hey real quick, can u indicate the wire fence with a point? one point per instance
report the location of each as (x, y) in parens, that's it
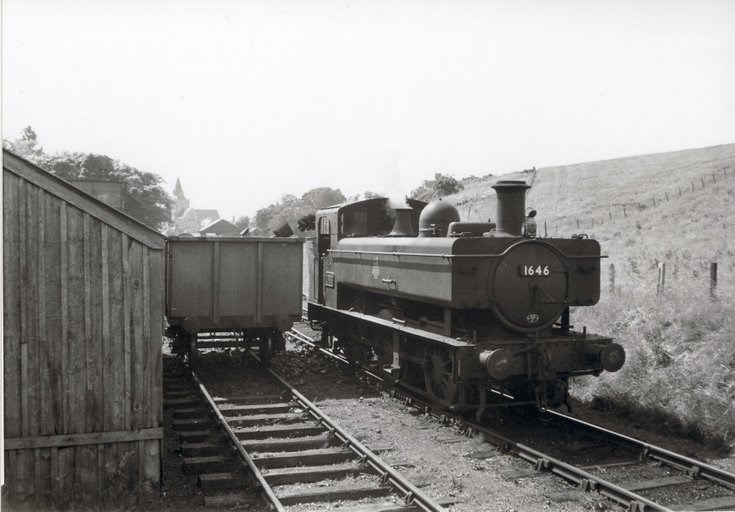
(663, 277)
(624, 211)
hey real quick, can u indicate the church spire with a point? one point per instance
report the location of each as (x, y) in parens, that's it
(181, 203)
(178, 190)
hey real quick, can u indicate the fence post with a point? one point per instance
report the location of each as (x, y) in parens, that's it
(661, 278)
(667, 195)
(713, 280)
(702, 178)
(713, 178)
(610, 214)
(625, 214)
(577, 223)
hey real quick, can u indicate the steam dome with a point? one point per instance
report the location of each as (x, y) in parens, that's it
(436, 217)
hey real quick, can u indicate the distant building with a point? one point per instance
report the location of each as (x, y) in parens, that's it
(220, 227)
(112, 193)
(186, 219)
(181, 203)
(254, 232)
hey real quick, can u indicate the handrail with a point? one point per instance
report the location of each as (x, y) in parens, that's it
(460, 256)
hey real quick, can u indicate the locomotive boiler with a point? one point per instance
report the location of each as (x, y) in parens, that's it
(455, 309)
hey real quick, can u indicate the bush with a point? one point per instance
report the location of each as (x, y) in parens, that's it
(680, 358)
(442, 185)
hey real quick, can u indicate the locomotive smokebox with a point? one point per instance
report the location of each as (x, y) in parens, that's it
(511, 207)
(402, 225)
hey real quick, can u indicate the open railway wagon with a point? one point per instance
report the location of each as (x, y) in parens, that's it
(236, 292)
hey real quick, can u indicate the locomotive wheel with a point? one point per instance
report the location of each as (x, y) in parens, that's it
(326, 340)
(384, 349)
(355, 352)
(438, 376)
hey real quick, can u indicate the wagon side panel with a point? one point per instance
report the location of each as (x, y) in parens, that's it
(237, 281)
(190, 273)
(282, 269)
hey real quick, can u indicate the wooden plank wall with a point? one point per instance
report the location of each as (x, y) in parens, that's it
(83, 314)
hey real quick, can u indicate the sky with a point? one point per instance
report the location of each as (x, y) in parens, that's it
(246, 101)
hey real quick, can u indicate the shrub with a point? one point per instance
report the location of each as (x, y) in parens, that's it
(680, 358)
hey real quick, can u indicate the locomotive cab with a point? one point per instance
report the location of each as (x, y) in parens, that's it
(368, 218)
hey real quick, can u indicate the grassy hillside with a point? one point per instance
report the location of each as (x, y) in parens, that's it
(675, 208)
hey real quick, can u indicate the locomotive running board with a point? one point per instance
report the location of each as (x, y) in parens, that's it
(410, 331)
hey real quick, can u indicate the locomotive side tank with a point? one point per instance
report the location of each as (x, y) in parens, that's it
(461, 306)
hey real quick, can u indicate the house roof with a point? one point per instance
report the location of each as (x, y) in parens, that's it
(221, 227)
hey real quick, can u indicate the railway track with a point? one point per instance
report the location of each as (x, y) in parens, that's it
(279, 447)
(637, 475)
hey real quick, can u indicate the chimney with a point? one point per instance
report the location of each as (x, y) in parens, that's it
(511, 207)
(402, 224)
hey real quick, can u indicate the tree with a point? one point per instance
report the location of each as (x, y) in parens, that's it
(445, 185)
(264, 216)
(296, 211)
(243, 222)
(26, 145)
(321, 197)
(442, 185)
(144, 187)
(307, 222)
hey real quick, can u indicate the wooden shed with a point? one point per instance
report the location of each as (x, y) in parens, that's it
(83, 312)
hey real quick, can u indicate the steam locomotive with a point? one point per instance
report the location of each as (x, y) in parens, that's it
(458, 310)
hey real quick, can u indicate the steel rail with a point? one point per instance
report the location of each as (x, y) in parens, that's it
(585, 480)
(411, 494)
(693, 467)
(264, 486)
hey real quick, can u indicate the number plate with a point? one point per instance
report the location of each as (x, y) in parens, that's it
(329, 279)
(534, 270)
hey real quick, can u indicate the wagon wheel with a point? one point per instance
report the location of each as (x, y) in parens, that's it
(266, 349)
(192, 350)
(438, 375)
